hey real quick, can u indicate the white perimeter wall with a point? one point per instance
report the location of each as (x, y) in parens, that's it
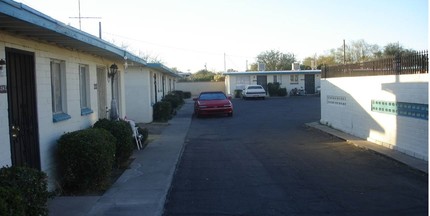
(196, 87)
(346, 105)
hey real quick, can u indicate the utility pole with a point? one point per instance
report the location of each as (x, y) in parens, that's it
(225, 68)
(344, 57)
(246, 68)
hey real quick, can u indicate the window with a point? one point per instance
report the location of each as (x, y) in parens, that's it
(294, 78)
(275, 78)
(58, 90)
(84, 90)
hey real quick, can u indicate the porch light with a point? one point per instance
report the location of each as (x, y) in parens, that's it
(2, 65)
(113, 69)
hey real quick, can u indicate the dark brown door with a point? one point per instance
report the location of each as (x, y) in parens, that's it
(262, 80)
(23, 125)
(310, 83)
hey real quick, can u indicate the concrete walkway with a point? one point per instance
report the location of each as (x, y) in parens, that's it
(396, 155)
(142, 189)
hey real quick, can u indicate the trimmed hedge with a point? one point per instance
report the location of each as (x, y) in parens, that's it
(187, 95)
(162, 111)
(121, 130)
(23, 191)
(275, 89)
(86, 158)
(176, 100)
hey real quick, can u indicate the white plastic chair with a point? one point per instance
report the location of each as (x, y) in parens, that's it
(137, 137)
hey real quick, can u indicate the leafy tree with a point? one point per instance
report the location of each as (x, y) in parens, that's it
(358, 51)
(276, 60)
(325, 60)
(219, 77)
(253, 67)
(308, 62)
(393, 49)
(203, 75)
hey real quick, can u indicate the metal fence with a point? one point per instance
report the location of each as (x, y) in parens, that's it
(410, 63)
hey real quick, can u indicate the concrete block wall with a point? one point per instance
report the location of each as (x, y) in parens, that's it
(346, 105)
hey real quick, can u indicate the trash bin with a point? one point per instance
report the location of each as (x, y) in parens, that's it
(237, 93)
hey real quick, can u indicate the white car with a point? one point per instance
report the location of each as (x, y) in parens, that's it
(253, 91)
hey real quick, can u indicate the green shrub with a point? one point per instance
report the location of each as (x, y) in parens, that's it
(178, 93)
(273, 88)
(237, 93)
(11, 202)
(187, 95)
(162, 111)
(121, 130)
(86, 158)
(175, 100)
(23, 191)
(282, 92)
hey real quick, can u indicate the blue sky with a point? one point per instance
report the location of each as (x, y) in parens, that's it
(188, 34)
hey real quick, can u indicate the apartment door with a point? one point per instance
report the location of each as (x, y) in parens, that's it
(262, 80)
(22, 107)
(310, 83)
(101, 92)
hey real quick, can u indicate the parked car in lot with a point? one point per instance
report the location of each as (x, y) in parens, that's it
(254, 91)
(213, 103)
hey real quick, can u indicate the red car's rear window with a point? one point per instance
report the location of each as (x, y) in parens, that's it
(212, 96)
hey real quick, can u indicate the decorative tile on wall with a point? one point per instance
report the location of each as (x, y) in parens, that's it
(413, 110)
(336, 100)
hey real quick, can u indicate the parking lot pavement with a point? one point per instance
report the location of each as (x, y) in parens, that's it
(408, 160)
(265, 161)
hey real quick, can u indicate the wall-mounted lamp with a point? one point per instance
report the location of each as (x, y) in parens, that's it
(113, 69)
(2, 65)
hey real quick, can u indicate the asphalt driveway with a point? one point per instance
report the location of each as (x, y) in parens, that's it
(264, 161)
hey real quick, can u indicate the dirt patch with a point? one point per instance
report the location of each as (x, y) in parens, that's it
(154, 128)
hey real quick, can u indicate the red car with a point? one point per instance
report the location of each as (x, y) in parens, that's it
(212, 103)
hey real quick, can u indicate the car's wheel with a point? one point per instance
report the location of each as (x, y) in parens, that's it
(230, 114)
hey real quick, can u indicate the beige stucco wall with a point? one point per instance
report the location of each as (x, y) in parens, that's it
(196, 87)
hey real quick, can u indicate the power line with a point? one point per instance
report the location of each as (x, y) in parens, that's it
(174, 47)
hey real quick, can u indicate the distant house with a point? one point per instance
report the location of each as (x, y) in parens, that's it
(146, 85)
(309, 80)
(54, 80)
